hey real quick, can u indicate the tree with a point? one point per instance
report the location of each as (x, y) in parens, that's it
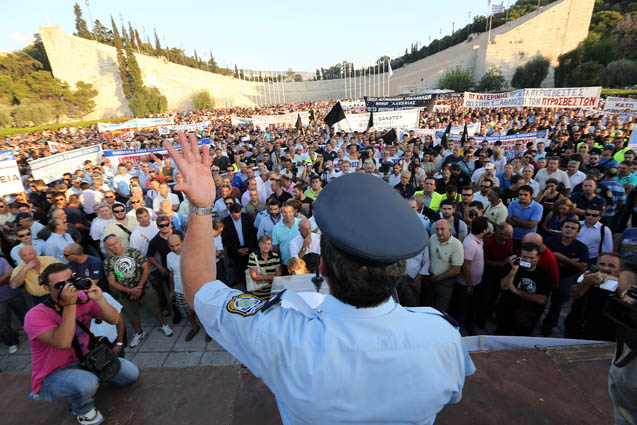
(131, 34)
(531, 74)
(81, 27)
(121, 61)
(457, 79)
(492, 80)
(158, 49)
(37, 52)
(625, 31)
(236, 71)
(587, 74)
(134, 73)
(80, 102)
(202, 100)
(620, 73)
(148, 100)
(140, 46)
(102, 34)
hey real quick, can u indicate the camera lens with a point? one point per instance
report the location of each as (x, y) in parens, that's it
(82, 283)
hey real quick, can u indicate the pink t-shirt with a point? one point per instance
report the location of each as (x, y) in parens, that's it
(474, 252)
(45, 358)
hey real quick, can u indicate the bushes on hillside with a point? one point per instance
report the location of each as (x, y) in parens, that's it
(531, 74)
(202, 100)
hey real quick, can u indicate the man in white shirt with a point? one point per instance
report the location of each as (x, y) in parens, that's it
(575, 176)
(89, 198)
(165, 195)
(306, 242)
(147, 229)
(552, 171)
(597, 237)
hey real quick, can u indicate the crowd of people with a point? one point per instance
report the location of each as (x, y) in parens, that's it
(511, 232)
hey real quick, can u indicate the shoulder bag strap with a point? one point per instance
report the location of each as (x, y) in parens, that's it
(124, 229)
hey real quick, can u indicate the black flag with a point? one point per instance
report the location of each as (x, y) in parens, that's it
(465, 135)
(370, 123)
(335, 115)
(299, 123)
(389, 137)
(311, 115)
(443, 141)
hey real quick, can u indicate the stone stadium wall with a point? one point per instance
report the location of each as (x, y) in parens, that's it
(551, 31)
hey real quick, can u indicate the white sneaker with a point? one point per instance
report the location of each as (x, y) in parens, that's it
(93, 417)
(13, 349)
(167, 330)
(137, 339)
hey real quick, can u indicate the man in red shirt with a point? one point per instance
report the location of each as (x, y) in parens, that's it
(497, 249)
(547, 259)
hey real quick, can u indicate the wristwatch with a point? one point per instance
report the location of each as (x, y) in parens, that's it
(121, 344)
(201, 211)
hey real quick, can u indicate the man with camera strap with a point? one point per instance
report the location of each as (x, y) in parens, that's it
(59, 338)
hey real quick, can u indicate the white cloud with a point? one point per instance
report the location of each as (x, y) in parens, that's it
(21, 38)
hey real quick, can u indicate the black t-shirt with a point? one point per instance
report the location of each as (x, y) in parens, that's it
(281, 198)
(587, 320)
(575, 249)
(307, 207)
(160, 245)
(509, 196)
(537, 282)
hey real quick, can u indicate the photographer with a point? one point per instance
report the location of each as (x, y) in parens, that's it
(525, 290)
(587, 320)
(52, 329)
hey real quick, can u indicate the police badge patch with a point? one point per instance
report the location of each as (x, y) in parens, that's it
(245, 305)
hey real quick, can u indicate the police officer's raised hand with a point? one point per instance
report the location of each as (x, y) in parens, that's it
(198, 185)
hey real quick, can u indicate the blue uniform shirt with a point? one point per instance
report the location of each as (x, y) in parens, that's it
(341, 364)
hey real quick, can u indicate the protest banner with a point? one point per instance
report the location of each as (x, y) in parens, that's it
(571, 97)
(134, 124)
(620, 105)
(353, 104)
(407, 118)
(262, 122)
(121, 156)
(508, 141)
(398, 103)
(52, 167)
(236, 121)
(56, 146)
(418, 132)
(10, 181)
(493, 100)
(568, 97)
(442, 108)
(197, 126)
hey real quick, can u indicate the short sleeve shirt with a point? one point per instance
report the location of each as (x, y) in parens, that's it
(575, 249)
(532, 212)
(173, 264)
(445, 255)
(127, 268)
(45, 358)
(474, 252)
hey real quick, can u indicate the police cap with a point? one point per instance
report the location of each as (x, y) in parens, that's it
(361, 215)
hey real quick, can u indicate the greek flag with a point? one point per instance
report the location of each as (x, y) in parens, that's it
(497, 8)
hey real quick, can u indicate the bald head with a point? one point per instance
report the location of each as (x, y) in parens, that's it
(534, 238)
(443, 230)
(305, 227)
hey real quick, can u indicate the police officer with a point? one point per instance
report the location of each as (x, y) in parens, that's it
(359, 357)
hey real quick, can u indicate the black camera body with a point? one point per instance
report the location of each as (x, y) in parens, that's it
(80, 283)
(472, 214)
(593, 269)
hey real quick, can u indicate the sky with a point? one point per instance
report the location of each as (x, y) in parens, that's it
(258, 35)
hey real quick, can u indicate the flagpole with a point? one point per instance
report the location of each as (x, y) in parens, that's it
(355, 83)
(344, 82)
(490, 17)
(283, 87)
(382, 78)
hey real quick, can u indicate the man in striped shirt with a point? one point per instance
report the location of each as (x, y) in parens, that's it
(264, 266)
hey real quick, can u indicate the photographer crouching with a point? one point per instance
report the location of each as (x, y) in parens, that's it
(622, 379)
(67, 360)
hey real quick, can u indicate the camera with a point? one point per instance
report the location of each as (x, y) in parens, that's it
(473, 214)
(593, 269)
(80, 283)
(516, 261)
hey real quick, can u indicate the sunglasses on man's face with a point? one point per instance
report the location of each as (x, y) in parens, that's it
(118, 211)
(24, 235)
(135, 202)
(162, 226)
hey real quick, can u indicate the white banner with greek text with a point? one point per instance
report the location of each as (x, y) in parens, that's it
(10, 181)
(52, 167)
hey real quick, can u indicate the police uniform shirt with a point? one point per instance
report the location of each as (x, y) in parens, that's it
(341, 364)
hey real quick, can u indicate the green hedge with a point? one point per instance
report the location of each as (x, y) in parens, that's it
(619, 92)
(4, 132)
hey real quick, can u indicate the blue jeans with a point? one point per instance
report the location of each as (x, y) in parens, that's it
(558, 297)
(79, 386)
